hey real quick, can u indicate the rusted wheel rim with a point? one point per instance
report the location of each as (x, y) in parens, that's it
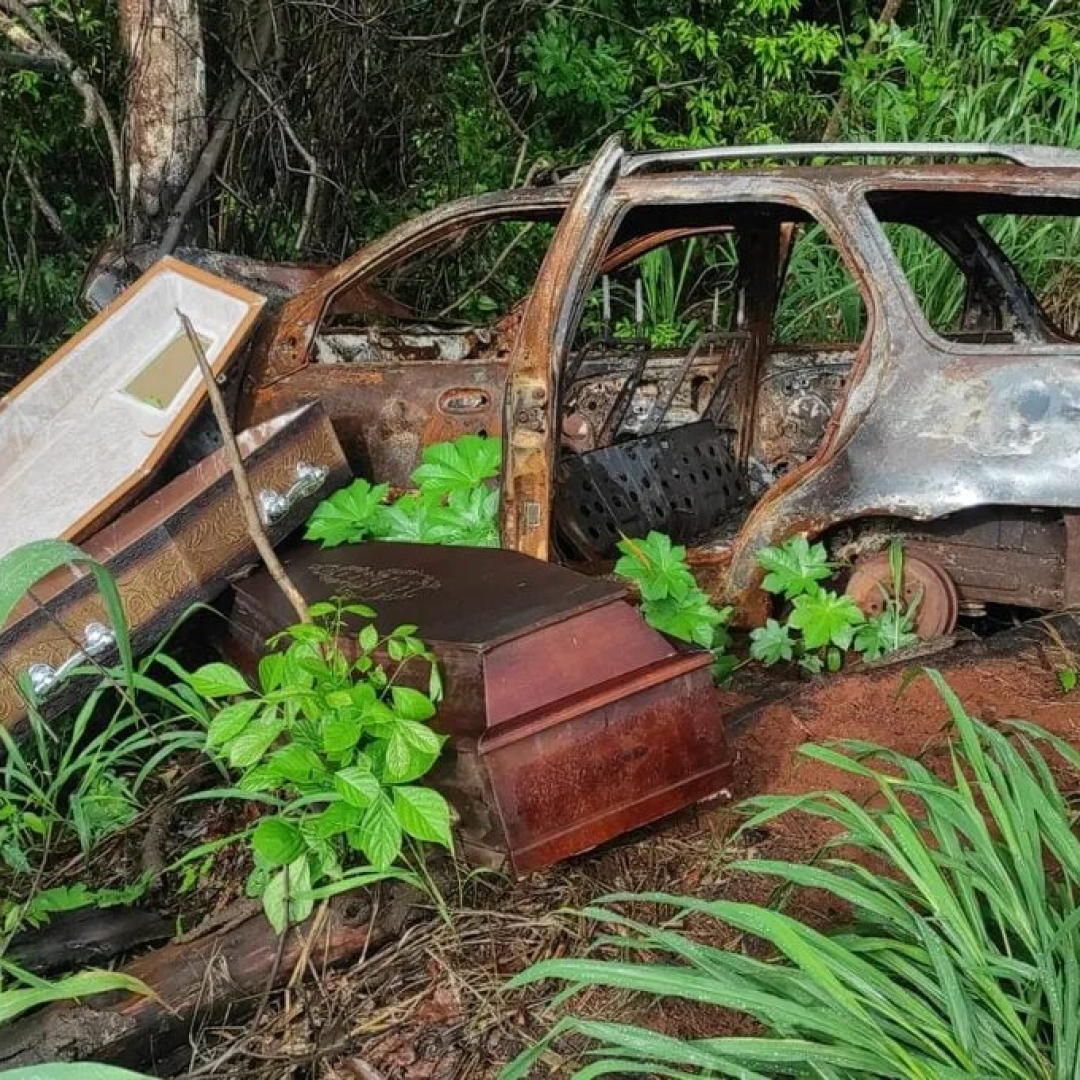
(940, 604)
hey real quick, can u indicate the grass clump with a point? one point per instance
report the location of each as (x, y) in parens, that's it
(961, 959)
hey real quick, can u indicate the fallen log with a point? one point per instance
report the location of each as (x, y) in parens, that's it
(199, 982)
(87, 937)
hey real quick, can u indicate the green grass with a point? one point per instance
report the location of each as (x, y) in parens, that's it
(962, 957)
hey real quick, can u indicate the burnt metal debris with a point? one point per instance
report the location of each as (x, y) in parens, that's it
(963, 441)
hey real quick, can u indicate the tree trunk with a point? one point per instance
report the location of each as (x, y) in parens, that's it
(165, 125)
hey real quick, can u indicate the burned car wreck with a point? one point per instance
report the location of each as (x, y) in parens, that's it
(753, 406)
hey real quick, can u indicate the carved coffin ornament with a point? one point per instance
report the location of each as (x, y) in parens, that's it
(89, 426)
(178, 546)
(570, 720)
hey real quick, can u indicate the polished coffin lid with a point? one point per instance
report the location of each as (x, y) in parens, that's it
(512, 633)
(176, 547)
(570, 720)
(90, 425)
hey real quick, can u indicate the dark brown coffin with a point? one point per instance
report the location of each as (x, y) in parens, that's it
(570, 720)
(177, 547)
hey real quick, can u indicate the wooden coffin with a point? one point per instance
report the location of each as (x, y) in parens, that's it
(177, 547)
(83, 432)
(570, 720)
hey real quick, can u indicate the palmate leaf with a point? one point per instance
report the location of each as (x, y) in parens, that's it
(461, 465)
(826, 618)
(772, 643)
(347, 516)
(657, 566)
(795, 567)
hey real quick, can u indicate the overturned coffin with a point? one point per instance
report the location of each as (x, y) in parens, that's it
(174, 549)
(570, 720)
(87, 429)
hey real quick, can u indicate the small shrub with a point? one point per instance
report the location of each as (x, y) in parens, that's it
(453, 503)
(671, 600)
(334, 748)
(826, 624)
(960, 959)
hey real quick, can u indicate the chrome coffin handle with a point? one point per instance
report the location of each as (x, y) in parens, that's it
(44, 677)
(274, 505)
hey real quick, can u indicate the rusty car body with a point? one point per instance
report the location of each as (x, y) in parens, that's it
(960, 437)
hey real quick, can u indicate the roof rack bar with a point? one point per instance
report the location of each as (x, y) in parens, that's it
(1031, 156)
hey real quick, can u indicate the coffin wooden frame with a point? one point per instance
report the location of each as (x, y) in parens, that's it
(109, 505)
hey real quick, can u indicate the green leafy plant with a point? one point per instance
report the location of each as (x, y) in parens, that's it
(453, 503)
(671, 600)
(826, 624)
(893, 628)
(959, 959)
(334, 747)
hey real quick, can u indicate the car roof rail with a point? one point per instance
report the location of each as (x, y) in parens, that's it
(1033, 156)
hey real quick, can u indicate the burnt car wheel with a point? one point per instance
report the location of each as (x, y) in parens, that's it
(939, 606)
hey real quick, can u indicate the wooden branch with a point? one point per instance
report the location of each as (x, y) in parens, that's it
(240, 476)
(48, 211)
(32, 38)
(194, 982)
(313, 170)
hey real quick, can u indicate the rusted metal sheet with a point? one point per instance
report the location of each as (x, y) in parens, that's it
(177, 547)
(570, 720)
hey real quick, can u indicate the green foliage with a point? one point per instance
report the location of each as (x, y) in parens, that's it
(827, 623)
(718, 72)
(85, 1070)
(335, 748)
(794, 567)
(959, 959)
(84, 783)
(671, 600)
(453, 504)
(30, 992)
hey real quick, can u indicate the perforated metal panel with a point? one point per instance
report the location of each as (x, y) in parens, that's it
(681, 482)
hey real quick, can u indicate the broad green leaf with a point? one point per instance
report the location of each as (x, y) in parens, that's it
(410, 752)
(297, 764)
(218, 680)
(230, 721)
(357, 786)
(252, 743)
(276, 841)
(411, 704)
(287, 897)
(347, 516)
(337, 818)
(379, 834)
(656, 565)
(460, 465)
(341, 733)
(795, 567)
(424, 814)
(826, 618)
(772, 643)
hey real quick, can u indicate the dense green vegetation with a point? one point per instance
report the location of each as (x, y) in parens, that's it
(959, 961)
(411, 104)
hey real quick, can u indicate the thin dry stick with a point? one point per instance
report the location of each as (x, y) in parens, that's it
(243, 485)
